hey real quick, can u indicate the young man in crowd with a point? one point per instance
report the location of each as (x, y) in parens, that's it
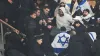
(35, 49)
(30, 24)
(30, 27)
(64, 19)
(87, 18)
(15, 44)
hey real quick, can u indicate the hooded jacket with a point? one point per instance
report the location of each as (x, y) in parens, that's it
(66, 8)
(80, 44)
(65, 20)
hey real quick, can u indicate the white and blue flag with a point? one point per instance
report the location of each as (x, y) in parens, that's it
(84, 5)
(60, 42)
(92, 36)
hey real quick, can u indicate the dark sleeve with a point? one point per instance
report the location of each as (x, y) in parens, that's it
(94, 49)
(38, 51)
(89, 39)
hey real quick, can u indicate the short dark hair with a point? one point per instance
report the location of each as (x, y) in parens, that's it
(63, 28)
(86, 10)
(32, 12)
(37, 9)
(38, 37)
(46, 7)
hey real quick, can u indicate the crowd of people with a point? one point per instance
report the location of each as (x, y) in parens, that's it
(51, 28)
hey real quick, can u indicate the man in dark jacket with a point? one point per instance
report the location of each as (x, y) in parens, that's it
(96, 48)
(80, 44)
(35, 49)
(14, 44)
(11, 11)
(30, 26)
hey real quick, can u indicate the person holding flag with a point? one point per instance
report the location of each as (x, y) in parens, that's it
(60, 42)
(78, 6)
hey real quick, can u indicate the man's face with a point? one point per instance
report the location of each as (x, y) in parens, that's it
(60, 12)
(33, 15)
(85, 13)
(38, 13)
(77, 24)
(46, 10)
(39, 41)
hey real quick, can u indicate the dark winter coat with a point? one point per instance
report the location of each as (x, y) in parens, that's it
(80, 44)
(96, 48)
(35, 49)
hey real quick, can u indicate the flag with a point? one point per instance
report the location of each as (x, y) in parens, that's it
(92, 35)
(84, 5)
(60, 42)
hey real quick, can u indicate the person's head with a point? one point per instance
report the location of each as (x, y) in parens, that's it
(77, 24)
(86, 12)
(61, 11)
(74, 1)
(37, 12)
(33, 14)
(38, 39)
(98, 20)
(79, 27)
(46, 10)
(62, 4)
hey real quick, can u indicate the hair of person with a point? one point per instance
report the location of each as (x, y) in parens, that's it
(86, 10)
(37, 9)
(46, 7)
(76, 22)
(32, 12)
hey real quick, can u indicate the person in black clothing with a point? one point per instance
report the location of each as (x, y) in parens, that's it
(35, 49)
(25, 7)
(80, 44)
(96, 48)
(96, 9)
(97, 27)
(45, 12)
(38, 22)
(30, 25)
(45, 27)
(11, 12)
(2, 8)
(14, 44)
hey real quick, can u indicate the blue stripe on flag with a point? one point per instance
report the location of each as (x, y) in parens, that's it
(82, 2)
(58, 50)
(92, 36)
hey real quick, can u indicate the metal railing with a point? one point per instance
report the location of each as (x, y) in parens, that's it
(2, 42)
